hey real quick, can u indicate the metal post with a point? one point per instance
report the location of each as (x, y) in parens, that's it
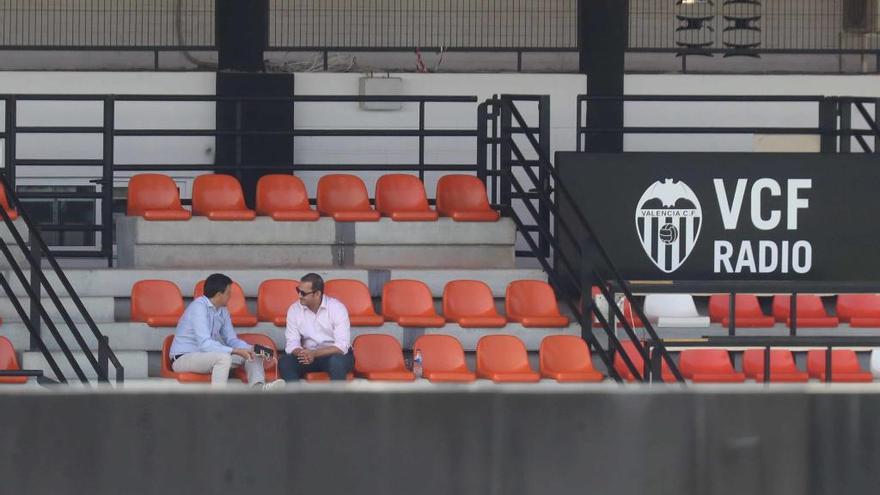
(35, 288)
(792, 314)
(9, 165)
(845, 110)
(107, 180)
(506, 149)
(543, 170)
(238, 140)
(767, 365)
(104, 359)
(828, 365)
(482, 145)
(422, 141)
(828, 125)
(731, 315)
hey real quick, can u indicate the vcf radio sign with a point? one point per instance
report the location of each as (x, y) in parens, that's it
(669, 219)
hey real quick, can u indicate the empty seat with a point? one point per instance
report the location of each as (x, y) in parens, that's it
(629, 348)
(357, 300)
(748, 311)
(782, 366)
(271, 370)
(623, 304)
(503, 358)
(155, 197)
(158, 303)
(810, 311)
(380, 357)
(165, 370)
(274, 298)
(284, 198)
(443, 359)
(402, 197)
(470, 304)
(859, 310)
(8, 360)
(344, 197)
(566, 358)
(463, 198)
(673, 310)
(533, 304)
(238, 310)
(844, 366)
(410, 304)
(219, 197)
(708, 366)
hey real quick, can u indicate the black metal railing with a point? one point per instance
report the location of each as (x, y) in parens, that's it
(534, 181)
(35, 251)
(840, 121)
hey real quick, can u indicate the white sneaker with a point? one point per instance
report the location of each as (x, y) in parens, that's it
(275, 384)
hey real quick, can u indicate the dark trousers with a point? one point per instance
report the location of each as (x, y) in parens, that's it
(335, 365)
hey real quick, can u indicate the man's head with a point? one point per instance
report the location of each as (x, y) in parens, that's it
(218, 288)
(311, 290)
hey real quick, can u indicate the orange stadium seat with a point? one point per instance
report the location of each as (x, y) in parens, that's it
(748, 311)
(630, 349)
(154, 197)
(284, 198)
(443, 359)
(566, 358)
(470, 304)
(410, 304)
(708, 366)
(356, 298)
(463, 198)
(503, 358)
(323, 376)
(165, 370)
(238, 310)
(844, 366)
(265, 341)
(158, 303)
(859, 310)
(402, 197)
(533, 304)
(4, 203)
(274, 298)
(219, 197)
(8, 361)
(782, 366)
(344, 197)
(810, 311)
(379, 357)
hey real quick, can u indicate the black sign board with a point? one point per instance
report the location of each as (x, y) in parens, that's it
(731, 216)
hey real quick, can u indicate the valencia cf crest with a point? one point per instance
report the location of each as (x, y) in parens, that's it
(668, 221)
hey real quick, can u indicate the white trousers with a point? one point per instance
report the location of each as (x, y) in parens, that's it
(218, 365)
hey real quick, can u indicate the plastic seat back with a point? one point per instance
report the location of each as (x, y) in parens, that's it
(353, 294)
(858, 305)
(440, 353)
(4, 203)
(375, 352)
(463, 298)
(808, 306)
(747, 306)
(402, 197)
(710, 361)
(842, 361)
(525, 298)
(567, 353)
(670, 305)
(274, 298)
(265, 341)
(217, 193)
(151, 192)
(502, 353)
(633, 354)
(781, 361)
(153, 300)
(281, 193)
(407, 298)
(8, 360)
(342, 193)
(165, 370)
(464, 194)
(236, 305)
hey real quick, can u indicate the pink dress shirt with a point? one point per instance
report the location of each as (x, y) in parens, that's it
(329, 326)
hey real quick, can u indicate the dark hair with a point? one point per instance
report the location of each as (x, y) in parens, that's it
(315, 279)
(216, 283)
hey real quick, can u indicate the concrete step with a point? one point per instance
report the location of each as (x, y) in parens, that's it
(101, 309)
(134, 363)
(141, 337)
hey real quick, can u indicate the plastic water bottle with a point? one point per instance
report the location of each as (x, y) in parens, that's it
(417, 363)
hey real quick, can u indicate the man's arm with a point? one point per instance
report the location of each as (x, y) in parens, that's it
(202, 331)
(229, 334)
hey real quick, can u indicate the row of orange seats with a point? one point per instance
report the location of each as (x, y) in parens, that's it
(500, 358)
(284, 197)
(470, 303)
(715, 366)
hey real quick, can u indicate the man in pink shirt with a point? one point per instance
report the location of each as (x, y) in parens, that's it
(318, 334)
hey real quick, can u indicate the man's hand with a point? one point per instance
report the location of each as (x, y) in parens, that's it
(304, 356)
(247, 354)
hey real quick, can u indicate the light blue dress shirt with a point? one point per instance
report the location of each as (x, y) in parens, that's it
(205, 328)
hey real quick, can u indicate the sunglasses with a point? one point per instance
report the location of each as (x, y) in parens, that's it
(303, 293)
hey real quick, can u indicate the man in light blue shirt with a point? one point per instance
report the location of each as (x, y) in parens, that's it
(206, 342)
